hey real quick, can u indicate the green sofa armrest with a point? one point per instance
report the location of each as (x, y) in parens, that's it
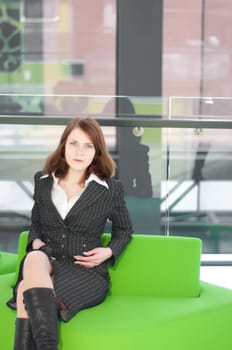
(8, 262)
(22, 244)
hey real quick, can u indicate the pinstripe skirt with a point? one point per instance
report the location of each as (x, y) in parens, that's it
(77, 287)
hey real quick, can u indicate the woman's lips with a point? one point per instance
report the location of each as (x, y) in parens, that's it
(78, 160)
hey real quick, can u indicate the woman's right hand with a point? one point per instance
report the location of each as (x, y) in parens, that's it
(37, 243)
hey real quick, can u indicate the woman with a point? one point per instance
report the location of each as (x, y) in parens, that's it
(65, 269)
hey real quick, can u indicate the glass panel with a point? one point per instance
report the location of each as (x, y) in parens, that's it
(197, 48)
(177, 181)
(197, 193)
(199, 108)
(57, 47)
(182, 30)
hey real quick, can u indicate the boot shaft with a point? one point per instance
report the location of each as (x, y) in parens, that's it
(23, 335)
(42, 310)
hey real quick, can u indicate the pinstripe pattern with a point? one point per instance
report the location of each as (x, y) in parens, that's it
(81, 230)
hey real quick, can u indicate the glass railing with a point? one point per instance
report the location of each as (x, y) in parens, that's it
(173, 157)
(199, 173)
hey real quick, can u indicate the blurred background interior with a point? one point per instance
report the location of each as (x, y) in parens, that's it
(157, 75)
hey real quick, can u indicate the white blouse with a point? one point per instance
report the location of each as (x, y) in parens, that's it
(59, 196)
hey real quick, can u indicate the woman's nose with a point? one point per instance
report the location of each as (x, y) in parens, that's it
(80, 150)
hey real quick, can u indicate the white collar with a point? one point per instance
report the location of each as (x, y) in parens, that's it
(92, 177)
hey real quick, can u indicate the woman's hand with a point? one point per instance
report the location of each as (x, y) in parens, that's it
(93, 257)
(37, 243)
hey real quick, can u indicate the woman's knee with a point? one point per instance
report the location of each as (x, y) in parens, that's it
(36, 261)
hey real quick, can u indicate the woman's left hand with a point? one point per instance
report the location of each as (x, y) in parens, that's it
(93, 257)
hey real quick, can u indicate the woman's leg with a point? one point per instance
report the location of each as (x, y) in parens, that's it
(35, 299)
(37, 270)
(36, 273)
(42, 310)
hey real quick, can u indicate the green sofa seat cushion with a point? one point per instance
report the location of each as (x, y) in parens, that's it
(140, 322)
(136, 323)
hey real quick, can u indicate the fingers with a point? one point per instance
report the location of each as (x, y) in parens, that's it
(86, 264)
(92, 257)
(86, 261)
(90, 252)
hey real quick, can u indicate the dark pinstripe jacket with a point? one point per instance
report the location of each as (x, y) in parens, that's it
(83, 226)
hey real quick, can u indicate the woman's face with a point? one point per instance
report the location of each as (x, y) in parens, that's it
(79, 150)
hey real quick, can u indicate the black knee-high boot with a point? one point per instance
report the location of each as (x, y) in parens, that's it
(42, 310)
(23, 335)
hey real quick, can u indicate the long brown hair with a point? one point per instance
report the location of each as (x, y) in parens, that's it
(102, 165)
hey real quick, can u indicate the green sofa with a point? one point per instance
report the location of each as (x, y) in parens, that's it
(156, 302)
(7, 262)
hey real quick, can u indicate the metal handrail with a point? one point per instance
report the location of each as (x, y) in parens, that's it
(120, 120)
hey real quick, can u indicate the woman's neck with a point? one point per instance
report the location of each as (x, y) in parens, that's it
(74, 177)
(72, 184)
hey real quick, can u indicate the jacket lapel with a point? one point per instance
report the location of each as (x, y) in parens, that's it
(92, 193)
(45, 184)
(46, 190)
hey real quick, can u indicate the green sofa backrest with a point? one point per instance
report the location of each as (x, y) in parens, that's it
(158, 266)
(152, 266)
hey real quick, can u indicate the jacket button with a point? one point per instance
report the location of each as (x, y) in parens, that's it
(62, 245)
(63, 236)
(84, 245)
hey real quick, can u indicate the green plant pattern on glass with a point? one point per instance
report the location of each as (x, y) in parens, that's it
(10, 36)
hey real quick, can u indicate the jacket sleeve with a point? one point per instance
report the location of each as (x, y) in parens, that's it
(34, 230)
(121, 224)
